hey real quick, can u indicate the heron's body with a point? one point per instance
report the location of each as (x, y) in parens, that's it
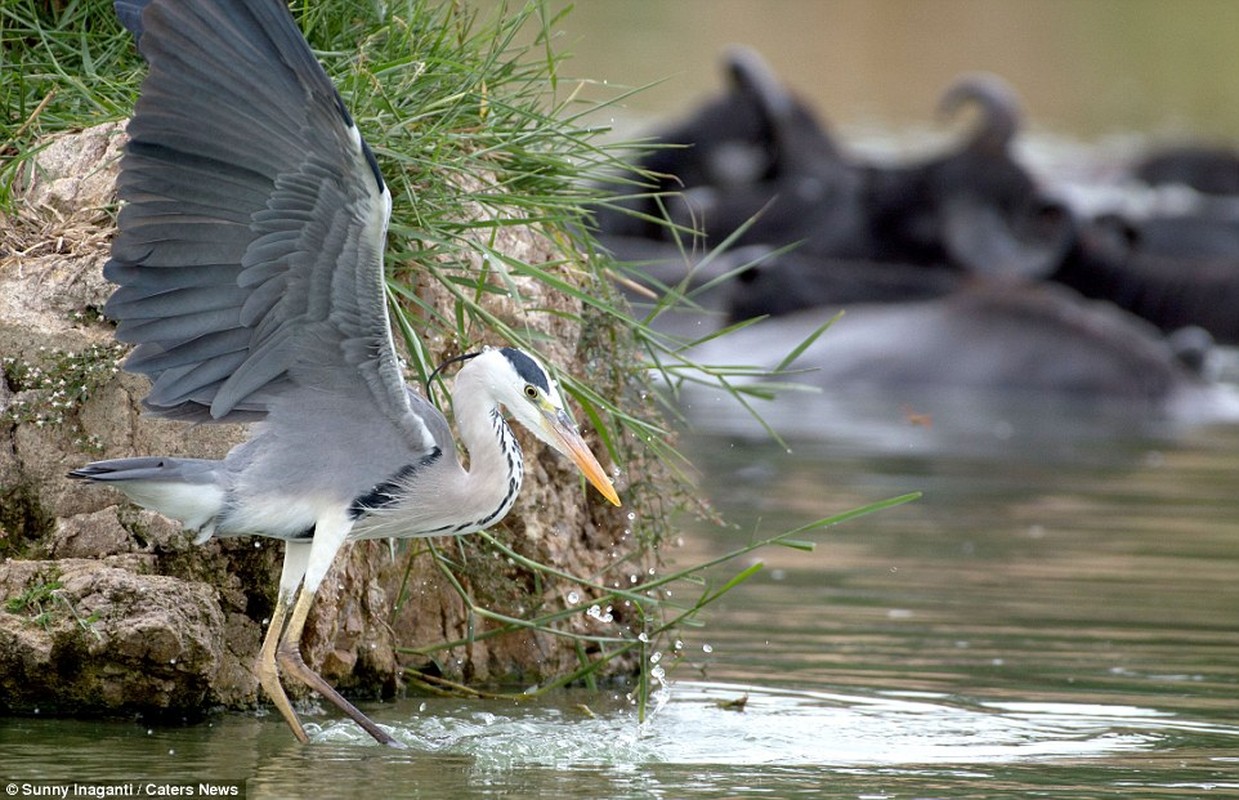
(250, 272)
(258, 490)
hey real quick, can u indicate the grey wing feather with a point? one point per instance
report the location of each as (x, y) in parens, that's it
(249, 257)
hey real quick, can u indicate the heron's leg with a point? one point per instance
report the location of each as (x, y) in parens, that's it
(329, 535)
(296, 556)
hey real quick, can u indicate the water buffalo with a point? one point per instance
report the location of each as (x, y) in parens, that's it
(941, 263)
(755, 167)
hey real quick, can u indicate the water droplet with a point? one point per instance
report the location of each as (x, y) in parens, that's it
(632, 515)
(643, 637)
(574, 598)
(707, 648)
(595, 612)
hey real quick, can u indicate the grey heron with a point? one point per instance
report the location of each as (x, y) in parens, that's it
(249, 265)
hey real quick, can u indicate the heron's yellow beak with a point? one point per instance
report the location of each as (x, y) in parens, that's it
(564, 436)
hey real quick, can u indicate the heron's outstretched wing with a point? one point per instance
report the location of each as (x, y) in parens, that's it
(249, 256)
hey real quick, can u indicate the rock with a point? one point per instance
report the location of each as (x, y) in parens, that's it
(73, 176)
(87, 535)
(83, 637)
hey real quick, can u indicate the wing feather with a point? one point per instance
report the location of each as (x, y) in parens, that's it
(249, 255)
(234, 341)
(176, 301)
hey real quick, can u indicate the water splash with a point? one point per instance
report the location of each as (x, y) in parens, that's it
(699, 723)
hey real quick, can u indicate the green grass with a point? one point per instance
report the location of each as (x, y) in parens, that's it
(64, 65)
(42, 604)
(462, 111)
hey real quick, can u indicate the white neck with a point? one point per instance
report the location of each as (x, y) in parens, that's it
(495, 462)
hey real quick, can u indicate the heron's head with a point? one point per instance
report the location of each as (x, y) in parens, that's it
(521, 384)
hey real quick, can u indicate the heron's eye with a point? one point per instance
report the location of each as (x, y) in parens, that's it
(531, 391)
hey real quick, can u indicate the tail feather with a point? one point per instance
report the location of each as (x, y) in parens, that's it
(190, 490)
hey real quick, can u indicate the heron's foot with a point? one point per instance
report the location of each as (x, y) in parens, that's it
(269, 677)
(289, 656)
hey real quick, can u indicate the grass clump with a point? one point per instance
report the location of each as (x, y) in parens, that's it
(42, 603)
(36, 602)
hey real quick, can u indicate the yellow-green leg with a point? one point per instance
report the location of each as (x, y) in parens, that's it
(268, 674)
(330, 533)
(296, 556)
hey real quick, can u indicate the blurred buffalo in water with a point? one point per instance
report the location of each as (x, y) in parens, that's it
(960, 239)
(755, 166)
